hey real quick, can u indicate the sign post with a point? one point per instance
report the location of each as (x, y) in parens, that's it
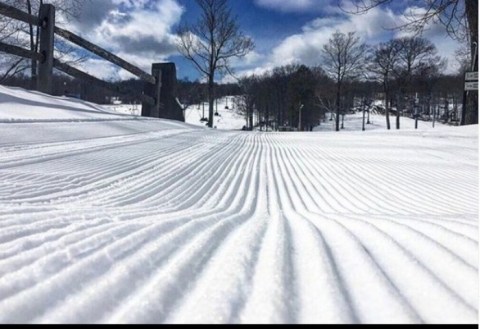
(471, 84)
(471, 76)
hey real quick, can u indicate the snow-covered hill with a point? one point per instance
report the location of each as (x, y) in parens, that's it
(17, 105)
(113, 218)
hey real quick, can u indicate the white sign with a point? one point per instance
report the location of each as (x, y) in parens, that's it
(471, 76)
(471, 86)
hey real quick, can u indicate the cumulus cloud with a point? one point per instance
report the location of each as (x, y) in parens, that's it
(373, 27)
(139, 31)
(307, 46)
(100, 68)
(92, 14)
(293, 5)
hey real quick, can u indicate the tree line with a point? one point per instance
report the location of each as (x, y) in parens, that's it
(405, 73)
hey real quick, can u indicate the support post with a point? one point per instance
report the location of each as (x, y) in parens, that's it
(154, 91)
(163, 92)
(463, 121)
(47, 30)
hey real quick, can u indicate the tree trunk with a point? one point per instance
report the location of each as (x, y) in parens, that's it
(387, 114)
(364, 111)
(211, 100)
(399, 105)
(337, 119)
(250, 116)
(250, 119)
(387, 110)
(471, 9)
(471, 117)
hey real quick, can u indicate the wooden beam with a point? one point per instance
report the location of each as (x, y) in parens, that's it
(105, 54)
(17, 14)
(25, 53)
(19, 51)
(95, 81)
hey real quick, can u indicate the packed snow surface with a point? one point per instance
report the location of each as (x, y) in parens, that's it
(109, 218)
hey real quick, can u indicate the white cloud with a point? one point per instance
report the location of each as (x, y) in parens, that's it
(375, 26)
(436, 33)
(140, 32)
(307, 46)
(293, 5)
(99, 68)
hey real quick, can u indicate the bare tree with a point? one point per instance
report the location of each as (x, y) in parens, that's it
(416, 55)
(301, 92)
(212, 42)
(11, 65)
(463, 58)
(27, 35)
(343, 58)
(246, 102)
(427, 78)
(67, 10)
(383, 60)
(460, 18)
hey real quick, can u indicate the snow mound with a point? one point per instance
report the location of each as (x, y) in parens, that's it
(20, 105)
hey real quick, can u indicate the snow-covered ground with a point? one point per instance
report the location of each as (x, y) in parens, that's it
(110, 218)
(229, 117)
(354, 122)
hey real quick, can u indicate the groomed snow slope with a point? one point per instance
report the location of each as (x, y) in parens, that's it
(114, 219)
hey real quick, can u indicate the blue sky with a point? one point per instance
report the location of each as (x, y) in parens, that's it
(284, 31)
